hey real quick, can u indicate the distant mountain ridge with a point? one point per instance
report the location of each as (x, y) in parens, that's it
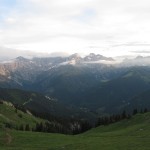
(43, 64)
(21, 71)
(138, 61)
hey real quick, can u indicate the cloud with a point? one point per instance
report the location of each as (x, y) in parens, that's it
(101, 26)
(132, 44)
(9, 53)
(14, 53)
(142, 51)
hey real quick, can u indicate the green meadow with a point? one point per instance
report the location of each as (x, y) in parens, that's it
(130, 134)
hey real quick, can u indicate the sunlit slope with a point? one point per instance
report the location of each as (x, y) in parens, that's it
(137, 125)
(13, 118)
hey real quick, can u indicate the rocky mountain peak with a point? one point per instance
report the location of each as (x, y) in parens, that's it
(75, 56)
(94, 57)
(20, 58)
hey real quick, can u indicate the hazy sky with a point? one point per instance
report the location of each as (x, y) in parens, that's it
(108, 27)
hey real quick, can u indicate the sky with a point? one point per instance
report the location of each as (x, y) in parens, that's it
(108, 27)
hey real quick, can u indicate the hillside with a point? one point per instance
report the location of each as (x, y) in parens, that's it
(116, 95)
(13, 118)
(141, 101)
(42, 105)
(99, 88)
(132, 134)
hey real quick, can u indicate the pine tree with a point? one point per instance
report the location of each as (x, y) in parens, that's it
(145, 110)
(124, 115)
(27, 127)
(21, 127)
(135, 111)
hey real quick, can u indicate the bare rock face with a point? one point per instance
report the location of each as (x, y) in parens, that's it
(94, 57)
(3, 71)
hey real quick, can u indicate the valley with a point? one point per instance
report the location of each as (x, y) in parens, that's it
(74, 103)
(132, 134)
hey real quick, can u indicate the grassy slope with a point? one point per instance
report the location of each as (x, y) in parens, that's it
(8, 115)
(133, 134)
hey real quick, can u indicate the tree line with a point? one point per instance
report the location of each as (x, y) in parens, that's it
(106, 120)
(68, 125)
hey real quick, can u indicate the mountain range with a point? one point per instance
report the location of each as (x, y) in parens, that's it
(92, 85)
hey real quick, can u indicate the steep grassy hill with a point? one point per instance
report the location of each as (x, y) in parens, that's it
(132, 134)
(13, 118)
